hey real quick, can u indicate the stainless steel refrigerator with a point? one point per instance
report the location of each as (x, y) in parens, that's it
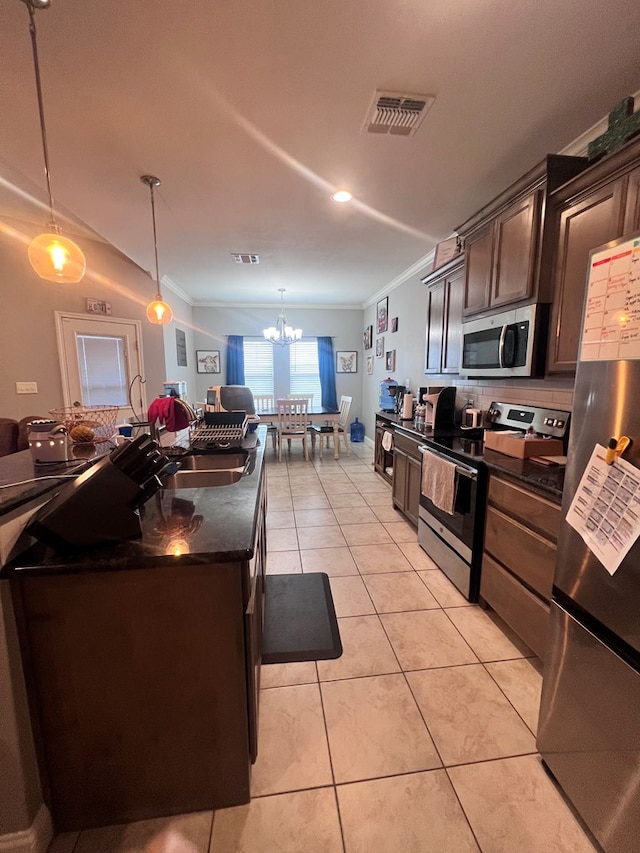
(589, 729)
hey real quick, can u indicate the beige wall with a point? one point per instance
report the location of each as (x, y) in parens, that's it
(28, 352)
(28, 349)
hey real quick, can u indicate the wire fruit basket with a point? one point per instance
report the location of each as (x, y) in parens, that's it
(99, 422)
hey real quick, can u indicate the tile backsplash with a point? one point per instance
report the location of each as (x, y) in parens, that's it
(553, 392)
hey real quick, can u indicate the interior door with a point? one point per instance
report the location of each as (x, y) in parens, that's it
(99, 358)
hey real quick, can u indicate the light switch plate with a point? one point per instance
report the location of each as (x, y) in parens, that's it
(26, 387)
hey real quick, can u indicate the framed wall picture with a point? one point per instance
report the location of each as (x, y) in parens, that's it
(382, 315)
(367, 337)
(394, 324)
(390, 361)
(208, 360)
(181, 348)
(369, 364)
(347, 361)
(379, 347)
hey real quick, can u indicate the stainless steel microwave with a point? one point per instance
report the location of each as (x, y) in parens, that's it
(508, 344)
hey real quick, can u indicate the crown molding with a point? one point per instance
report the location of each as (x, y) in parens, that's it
(175, 288)
(410, 272)
(276, 305)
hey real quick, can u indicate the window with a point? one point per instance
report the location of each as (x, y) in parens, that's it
(103, 370)
(258, 366)
(304, 373)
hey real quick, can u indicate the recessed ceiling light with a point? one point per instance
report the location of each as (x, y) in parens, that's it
(341, 196)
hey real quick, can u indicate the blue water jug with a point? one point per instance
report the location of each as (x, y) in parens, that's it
(357, 431)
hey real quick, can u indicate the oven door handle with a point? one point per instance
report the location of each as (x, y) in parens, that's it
(463, 470)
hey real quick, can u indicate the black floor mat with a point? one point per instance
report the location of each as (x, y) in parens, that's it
(300, 619)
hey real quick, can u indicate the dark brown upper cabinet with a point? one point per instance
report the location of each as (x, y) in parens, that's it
(600, 205)
(507, 243)
(443, 339)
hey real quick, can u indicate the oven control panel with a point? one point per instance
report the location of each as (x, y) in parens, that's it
(552, 422)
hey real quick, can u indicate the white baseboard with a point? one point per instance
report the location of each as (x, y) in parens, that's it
(36, 839)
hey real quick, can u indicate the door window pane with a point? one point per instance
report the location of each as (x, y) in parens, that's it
(103, 370)
(304, 374)
(258, 365)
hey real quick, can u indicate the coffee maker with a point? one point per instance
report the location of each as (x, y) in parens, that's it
(440, 402)
(398, 394)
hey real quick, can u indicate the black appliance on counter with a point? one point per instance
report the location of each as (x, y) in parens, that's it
(440, 404)
(102, 504)
(454, 541)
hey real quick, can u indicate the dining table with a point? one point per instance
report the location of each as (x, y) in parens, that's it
(315, 415)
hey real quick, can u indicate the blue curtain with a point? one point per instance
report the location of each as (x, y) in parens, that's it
(235, 360)
(327, 373)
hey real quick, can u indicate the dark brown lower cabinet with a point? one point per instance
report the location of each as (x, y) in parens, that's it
(407, 470)
(144, 686)
(518, 563)
(382, 459)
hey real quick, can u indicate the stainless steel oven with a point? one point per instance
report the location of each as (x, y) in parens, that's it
(454, 542)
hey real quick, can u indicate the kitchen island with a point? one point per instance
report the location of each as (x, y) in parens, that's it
(142, 659)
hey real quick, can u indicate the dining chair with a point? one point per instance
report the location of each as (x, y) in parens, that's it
(307, 397)
(326, 430)
(292, 423)
(267, 403)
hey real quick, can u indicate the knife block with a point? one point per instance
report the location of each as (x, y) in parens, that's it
(97, 508)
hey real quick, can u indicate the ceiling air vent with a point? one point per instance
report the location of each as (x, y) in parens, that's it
(393, 112)
(243, 258)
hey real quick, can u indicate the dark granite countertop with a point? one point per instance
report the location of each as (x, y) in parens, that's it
(183, 526)
(36, 480)
(546, 480)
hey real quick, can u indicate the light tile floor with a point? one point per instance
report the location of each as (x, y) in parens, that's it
(419, 739)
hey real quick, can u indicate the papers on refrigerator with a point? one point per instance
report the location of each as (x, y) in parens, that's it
(611, 322)
(605, 509)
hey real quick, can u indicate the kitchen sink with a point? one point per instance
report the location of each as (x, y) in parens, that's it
(213, 461)
(194, 479)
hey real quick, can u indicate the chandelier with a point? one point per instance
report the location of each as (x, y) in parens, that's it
(158, 311)
(52, 256)
(281, 333)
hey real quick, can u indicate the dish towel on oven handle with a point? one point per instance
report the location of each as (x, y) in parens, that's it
(439, 481)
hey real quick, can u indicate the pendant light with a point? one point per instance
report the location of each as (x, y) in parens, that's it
(158, 311)
(281, 333)
(52, 256)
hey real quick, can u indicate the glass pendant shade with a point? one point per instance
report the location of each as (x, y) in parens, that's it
(56, 258)
(52, 256)
(159, 312)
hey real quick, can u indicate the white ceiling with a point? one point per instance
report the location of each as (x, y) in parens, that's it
(251, 113)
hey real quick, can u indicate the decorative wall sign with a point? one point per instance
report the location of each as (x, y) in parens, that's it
(382, 315)
(347, 361)
(181, 348)
(390, 363)
(208, 361)
(98, 306)
(379, 347)
(446, 250)
(623, 124)
(367, 337)
(369, 364)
